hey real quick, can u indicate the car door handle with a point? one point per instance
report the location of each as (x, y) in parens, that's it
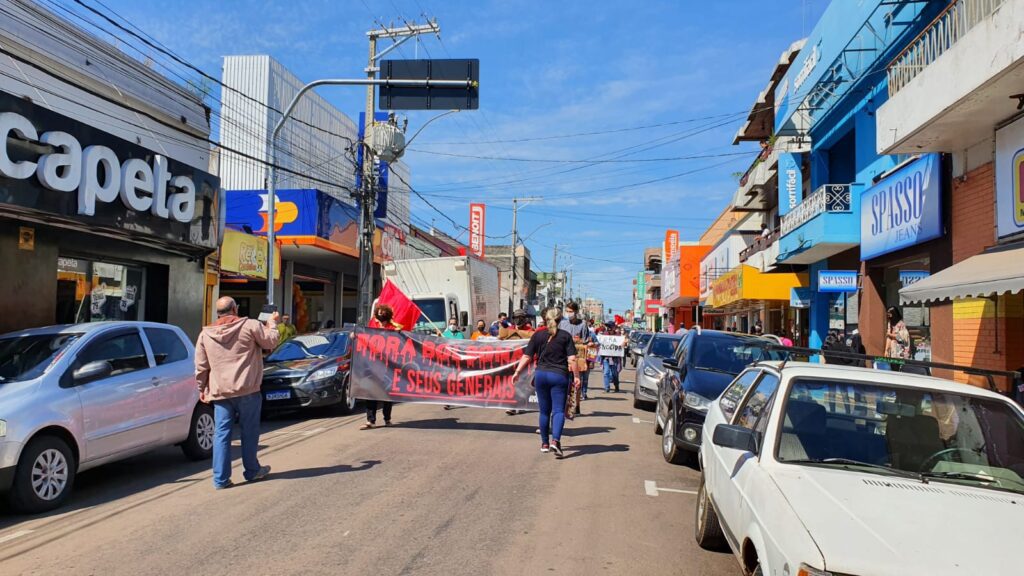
(155, 381)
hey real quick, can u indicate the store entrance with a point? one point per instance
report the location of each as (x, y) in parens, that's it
(93, 291)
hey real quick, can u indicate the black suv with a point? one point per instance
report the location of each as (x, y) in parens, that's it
(705, 363)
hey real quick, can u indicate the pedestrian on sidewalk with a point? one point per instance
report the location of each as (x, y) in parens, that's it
(383, 318)
(555, 353)
(229, 371)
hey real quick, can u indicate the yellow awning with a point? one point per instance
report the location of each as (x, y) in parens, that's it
(747, 283)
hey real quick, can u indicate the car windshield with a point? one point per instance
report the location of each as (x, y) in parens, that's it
(27, 357)
(730, 354)
(663, 347)
(938, 435)
(433, 314)
(311, 346)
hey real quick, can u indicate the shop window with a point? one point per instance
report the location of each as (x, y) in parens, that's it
(92, 291)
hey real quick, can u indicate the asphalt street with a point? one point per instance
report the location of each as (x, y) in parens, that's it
(462, 491)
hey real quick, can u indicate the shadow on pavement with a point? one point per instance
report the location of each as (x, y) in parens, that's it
(586, 449)
(600, 414)
(322, 471)
(455, 424)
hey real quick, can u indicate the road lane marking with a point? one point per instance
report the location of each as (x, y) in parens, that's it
(651, 489)
(639, 421)
(17, 534)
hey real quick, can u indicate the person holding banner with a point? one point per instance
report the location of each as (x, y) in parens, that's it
(556, 354)
(383, 318)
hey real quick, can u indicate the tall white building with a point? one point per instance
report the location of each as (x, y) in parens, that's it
(317, 141)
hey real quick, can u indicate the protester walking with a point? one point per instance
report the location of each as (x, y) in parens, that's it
(481, 331)
(453, 330)
(611, 365)
(520, 329)
(383, 318)
(555, 353)
(501, 322)
(229, 371)
(573, 323)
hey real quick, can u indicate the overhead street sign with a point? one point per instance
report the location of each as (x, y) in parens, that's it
(430, 97)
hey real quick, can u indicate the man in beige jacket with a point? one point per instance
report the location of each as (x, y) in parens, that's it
(229, 369)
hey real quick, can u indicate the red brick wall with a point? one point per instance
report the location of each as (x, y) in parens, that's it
(974, 212)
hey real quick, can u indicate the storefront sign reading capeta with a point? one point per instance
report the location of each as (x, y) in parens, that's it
(53, 164)
(837, 281)
(412, 367)
(903, 209)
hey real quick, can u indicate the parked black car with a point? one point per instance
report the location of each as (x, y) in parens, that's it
(309, 370)
(705, 363)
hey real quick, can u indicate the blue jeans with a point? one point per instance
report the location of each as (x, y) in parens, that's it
(584, 380)
(552, 388)
(247, 408)
(611, 374)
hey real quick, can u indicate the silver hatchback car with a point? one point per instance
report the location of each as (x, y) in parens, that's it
(73, 397)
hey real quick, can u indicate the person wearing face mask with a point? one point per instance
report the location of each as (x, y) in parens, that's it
(573, 323)
(481, 331)
(453, 330)
(383, 317)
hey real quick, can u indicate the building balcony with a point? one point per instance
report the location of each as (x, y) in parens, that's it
(824, 224)
(763, 253)
(954, 82)
(753, 193)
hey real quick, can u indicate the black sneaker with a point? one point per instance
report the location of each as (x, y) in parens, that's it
(260, 474)
(556, 447)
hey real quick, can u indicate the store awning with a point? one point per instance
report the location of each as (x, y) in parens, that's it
(995, 272)
(746, 283)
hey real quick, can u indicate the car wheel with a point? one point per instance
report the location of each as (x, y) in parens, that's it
(44, 476)
(349, 400)
(673, 453)
(707, 528)
(199, 445)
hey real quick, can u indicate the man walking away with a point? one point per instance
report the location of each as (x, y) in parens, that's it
(229, 370)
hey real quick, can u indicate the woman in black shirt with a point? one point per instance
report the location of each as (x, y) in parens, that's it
(555, 352)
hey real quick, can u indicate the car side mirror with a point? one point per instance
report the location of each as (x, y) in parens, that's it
(92, 371)
(736, 437)
(670, 362)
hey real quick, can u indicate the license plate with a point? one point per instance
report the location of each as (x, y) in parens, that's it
(282, 395)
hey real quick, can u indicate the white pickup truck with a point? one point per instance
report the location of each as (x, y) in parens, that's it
(817, 470)
(461, 286)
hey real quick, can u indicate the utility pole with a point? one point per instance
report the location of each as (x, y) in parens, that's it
(513, 301)
(554, 277)
(368, 191)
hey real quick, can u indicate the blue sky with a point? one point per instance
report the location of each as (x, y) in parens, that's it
(549, 70)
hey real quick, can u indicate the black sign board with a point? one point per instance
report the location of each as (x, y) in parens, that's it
(196, 233)
(430, 97)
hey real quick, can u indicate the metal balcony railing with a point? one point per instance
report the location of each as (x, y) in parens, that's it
(946, 30)
(827, 198)
(761, 243)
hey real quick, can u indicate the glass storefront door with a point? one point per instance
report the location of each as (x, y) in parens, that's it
(92, 291)
(917, 317)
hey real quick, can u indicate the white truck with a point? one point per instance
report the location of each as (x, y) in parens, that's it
(460, 286)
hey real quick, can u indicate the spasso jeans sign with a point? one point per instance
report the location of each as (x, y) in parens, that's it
(903, 209)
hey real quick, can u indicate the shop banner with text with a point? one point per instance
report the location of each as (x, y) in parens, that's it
(412, 367)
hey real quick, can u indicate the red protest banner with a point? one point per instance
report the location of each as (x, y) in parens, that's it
(412, 367)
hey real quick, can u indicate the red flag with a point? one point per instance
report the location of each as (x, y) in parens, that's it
(619, 320)
(407, 313)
